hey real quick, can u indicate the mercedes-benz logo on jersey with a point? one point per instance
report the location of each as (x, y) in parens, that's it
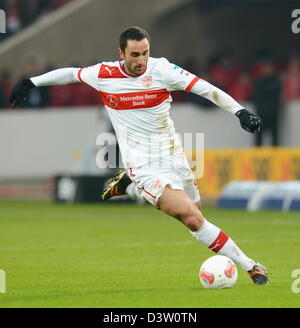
(112, 100)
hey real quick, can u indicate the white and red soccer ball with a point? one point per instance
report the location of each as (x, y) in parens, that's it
(218, 272)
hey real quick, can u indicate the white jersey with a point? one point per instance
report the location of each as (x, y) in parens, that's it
(138, 107)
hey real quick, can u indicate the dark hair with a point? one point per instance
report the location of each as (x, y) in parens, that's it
(132, 33)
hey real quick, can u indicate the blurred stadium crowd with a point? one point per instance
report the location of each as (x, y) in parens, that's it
(243, 80)
(221, 70)
(239, 79)
(20, 14)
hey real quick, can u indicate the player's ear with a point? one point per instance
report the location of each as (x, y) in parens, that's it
(121, 53)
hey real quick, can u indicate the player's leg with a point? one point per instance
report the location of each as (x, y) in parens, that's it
(121, 184)
(198, 205)
(176, 203)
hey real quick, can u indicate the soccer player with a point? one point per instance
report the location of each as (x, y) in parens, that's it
(136, 93)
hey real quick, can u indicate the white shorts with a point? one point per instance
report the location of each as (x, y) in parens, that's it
(151, 182)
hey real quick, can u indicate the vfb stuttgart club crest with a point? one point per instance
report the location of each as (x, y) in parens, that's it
(147, 81)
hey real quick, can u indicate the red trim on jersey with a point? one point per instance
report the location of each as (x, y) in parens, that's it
(79, 75)
(110, 72)
(131, 173)
(220, 241)
(81, 80)
(128, 74)
(194, 81)
(147, 192)
(134, 100)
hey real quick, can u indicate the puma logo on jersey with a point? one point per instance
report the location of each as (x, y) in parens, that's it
(109, 70)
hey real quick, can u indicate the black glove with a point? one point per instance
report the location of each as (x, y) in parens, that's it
(249, 121)
(20, 92)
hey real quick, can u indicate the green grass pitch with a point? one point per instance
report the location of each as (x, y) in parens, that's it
(112, 256)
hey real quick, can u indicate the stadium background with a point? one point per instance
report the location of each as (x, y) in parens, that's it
(53, 136)
(197, 35)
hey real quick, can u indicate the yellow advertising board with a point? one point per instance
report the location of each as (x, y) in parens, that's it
(254, 164)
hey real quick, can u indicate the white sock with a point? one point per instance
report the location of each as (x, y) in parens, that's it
(219, 242)
(231, 250)
(132, 191)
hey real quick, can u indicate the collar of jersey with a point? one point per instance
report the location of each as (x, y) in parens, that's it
(127, 74)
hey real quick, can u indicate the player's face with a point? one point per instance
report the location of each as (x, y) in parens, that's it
(136, 56)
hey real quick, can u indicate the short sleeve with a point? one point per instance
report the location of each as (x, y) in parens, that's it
(89, 75)
(175, 77)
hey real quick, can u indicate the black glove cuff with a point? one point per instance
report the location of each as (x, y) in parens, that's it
(28, 84)
(240, 112)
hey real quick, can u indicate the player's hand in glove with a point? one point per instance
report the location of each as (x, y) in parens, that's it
(249, 121)
(20, 92)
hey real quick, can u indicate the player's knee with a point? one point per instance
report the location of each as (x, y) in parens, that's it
(193, 221)
(179, 209)
(186, 212)
(173, 211)
(191, 217)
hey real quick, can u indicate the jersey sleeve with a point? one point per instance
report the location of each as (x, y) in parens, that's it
(89, 75)
(216, 95)
(175, 77)
(59, 76)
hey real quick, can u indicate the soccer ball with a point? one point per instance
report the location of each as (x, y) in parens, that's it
(218, 272)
